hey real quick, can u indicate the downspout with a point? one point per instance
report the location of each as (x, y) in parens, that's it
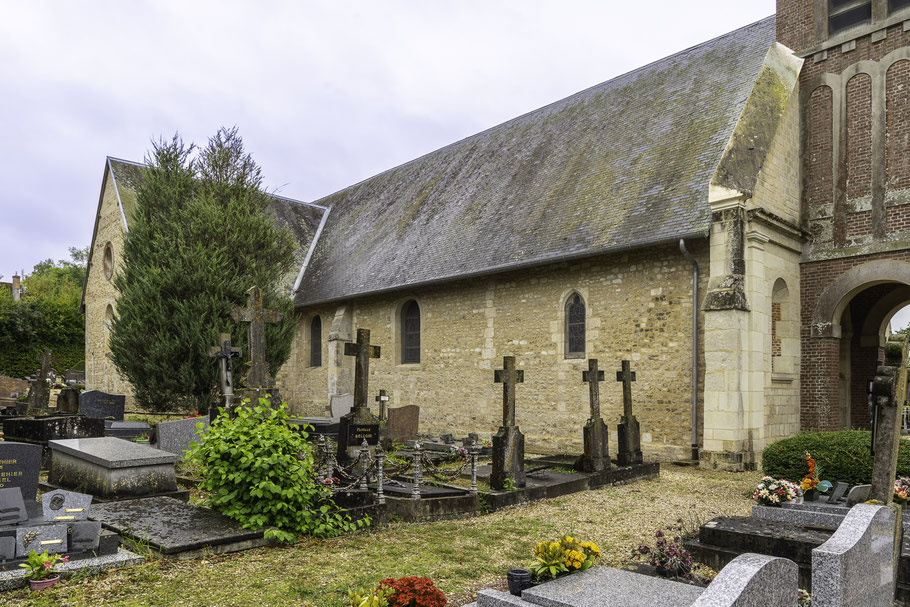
(688, 255)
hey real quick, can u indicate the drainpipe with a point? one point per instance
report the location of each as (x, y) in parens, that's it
(688, 255)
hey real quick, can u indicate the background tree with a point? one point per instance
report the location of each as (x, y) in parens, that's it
(200, 238)
(47, 316)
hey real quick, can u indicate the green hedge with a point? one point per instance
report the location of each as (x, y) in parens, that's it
(24, 362)
(841, 456)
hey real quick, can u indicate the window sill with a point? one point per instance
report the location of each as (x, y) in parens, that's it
(783, 378)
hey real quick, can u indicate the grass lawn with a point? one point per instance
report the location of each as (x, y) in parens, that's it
(460, 556)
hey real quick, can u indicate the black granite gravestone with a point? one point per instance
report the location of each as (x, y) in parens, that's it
(12, 507)
(20, 464)
(101, 405)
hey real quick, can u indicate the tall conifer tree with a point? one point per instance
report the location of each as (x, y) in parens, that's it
(200, 238)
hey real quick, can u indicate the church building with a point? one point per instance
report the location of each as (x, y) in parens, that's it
(733, 219)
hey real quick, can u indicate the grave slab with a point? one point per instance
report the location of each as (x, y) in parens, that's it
(15, 578)
(111, 468)
(606, 587)
(175, 436)
(174, 528)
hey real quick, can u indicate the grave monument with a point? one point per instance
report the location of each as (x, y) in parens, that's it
(225, 353)
(258, 383)
(508, 443)
(629, 431)
(596, 456)
(360, 424)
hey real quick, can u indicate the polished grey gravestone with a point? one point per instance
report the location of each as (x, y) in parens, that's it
(176, 436)
(856, 566)
(126, 430)
(20, 464)
(799, 516)
(111, 468)
(40, 538)
(858, 494)
(629, 432)
(12, 506)
(83, 536)
(101, 405)
(596, 456)
(174, 528)
(403, 423)
(62, 505)
(7, 548)
(753, 580)
(508, 443)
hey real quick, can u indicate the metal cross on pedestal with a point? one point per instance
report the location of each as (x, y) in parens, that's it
(258, 317)
(364, 352)
(508, 376)
(225, 353)
(593, 376)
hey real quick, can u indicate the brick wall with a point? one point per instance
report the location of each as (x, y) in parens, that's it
(898, 109)
(859, 136)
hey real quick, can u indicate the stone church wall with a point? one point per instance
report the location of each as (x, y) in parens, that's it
(100, 373)
(638, 306)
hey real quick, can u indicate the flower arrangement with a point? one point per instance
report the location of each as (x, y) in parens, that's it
(370, 598)
(412, 591)
(568, 555)
(460, 451)
(774, 492)
(41, 566)
(667, 555)
(803, 598)
(902, 490)
(810, 481)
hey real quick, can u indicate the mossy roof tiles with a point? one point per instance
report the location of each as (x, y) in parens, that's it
(622, 164)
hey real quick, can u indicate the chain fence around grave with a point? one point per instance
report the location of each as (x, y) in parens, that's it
(380, 469)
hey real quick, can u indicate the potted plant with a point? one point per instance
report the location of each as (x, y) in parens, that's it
(144, 439)
(810, 484)
(39, 569)
(568, 555)
(667, 556)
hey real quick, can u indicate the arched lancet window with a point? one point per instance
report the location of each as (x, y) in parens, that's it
(575, 326)
(316, 342)
(410, 333)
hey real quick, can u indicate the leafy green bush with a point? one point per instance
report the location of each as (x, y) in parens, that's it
(842, 456)
(260, 472)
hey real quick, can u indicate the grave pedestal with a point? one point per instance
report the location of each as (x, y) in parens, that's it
(629, 442)
(508, 457)
(596, 456)
(355, 427)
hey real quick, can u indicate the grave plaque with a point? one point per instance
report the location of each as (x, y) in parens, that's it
(83, 536)
(101, 405)
(46, 537)
(357, 433)
(837, 494)
(403, 423)
(20, 464)
(61, 505)
(12, 507)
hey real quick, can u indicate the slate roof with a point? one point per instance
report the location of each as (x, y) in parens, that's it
(302, 218)
(623, 164)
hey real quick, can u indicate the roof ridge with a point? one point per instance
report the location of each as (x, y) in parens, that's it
(549, 105)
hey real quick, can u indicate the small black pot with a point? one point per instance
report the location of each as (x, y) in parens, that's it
(811, 495)
(519, 579)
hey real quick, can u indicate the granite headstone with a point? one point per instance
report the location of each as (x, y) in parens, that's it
(340, 405)
(46, 537)
(837, 494)
(403, 423)
(176, 436)
(101, 405)
(83, 535)
(7, 548)
(858, 494)
(20, 464)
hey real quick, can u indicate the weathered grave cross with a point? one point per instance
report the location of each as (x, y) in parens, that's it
(508, 376)
(364, 352)
(40, 395)
(257, 316)
(626, 376)
(224, 353)
(593, 376)
(383, 399)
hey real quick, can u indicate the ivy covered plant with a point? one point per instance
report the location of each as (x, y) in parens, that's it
(259, 471)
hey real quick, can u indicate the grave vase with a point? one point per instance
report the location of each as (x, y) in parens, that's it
(42, 584)
(811, 495)
(519, 579)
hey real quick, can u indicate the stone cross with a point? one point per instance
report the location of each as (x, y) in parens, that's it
(258, 317)
(508, 376)
(593, 376)
(40, 390)
(626, 376)
(383, 400)
(224, 352)
(363, 351)
(629, 433)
